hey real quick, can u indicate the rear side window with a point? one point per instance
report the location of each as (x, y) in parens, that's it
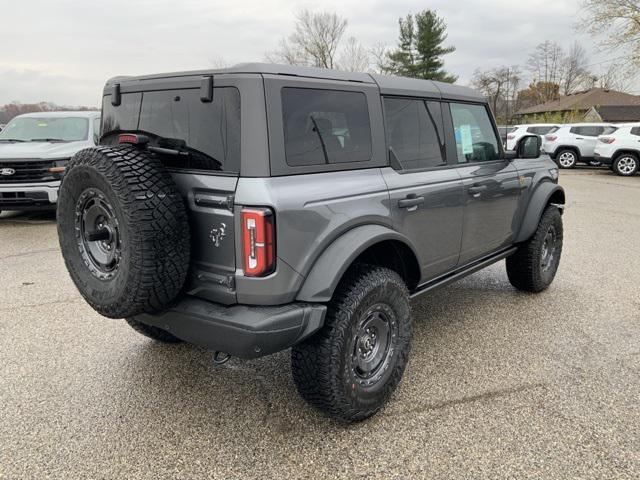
(325, 126)
(635, 131)
(476, 140)
(609, 130)
(414, 133)
(209, 132)
(553, 129)
(587, 130)
(543, 130)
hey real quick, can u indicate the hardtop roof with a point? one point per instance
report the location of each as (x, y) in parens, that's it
(388, 84)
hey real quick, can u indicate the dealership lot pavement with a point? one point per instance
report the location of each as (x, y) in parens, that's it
(500, 383)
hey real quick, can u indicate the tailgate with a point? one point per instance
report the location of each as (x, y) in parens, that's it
(213, 257)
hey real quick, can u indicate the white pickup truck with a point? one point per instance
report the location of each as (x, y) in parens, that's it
(34, 151)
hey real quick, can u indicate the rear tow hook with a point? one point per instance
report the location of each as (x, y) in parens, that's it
(220, 358)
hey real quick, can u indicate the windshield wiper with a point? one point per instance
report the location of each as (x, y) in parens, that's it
(178, 147)
(11, 140)
(52, 140)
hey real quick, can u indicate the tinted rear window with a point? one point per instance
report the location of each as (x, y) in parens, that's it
(542, 130)
(587, 130)
(609, 130)
(325, 126)
(210, 132)
(413, 134)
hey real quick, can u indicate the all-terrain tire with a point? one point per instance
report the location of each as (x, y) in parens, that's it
(325, 369)
(567, 158)
(626, 164)
(152, 332)
(533, 266)
(143, 264)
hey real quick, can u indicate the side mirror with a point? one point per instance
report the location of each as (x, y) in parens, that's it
(529, 146)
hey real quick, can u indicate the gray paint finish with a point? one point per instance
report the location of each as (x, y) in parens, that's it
(327, 215)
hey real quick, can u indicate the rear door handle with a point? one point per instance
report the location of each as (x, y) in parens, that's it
(410, 201)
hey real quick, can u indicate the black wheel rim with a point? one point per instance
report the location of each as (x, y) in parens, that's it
(98, 234)
(549, 249)
(374, 344)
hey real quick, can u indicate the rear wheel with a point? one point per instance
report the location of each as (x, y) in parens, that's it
(534, 265)
(626, 165)
(350, 368)
(152, 332)
(567, 159)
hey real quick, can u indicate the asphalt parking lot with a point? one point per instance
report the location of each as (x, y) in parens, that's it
(500, 383)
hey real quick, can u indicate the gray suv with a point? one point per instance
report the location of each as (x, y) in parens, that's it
(265, 207)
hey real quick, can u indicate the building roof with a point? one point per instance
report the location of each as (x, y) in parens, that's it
(619, 113)
(583, 101)
(387, 83)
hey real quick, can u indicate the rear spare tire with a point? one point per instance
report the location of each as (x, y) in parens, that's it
(123, 231)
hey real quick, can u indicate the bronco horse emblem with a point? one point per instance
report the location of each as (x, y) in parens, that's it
(217, 234)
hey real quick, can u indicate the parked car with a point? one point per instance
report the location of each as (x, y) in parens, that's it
(620, 149)
(264, 207)
(34, 151)
(518, 131)
(503, 131)
(575, 143)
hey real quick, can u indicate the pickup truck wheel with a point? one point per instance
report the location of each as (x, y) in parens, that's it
(350, 368)
(533, 266)
(567, 159)
(152, 332)
(626, 165)
(123, 231)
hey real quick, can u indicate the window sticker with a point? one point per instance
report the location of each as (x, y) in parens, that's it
(465, 137)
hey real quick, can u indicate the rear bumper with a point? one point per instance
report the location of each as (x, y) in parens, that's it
(29, 196)
(241, 330)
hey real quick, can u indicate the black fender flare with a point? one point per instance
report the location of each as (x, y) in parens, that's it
(540, 198)
(334, 261)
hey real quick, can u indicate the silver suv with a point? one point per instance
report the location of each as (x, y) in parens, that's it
(575, 143)
(265, 207)
(34, 151)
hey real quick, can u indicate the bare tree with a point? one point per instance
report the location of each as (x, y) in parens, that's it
(379, 54)
(354, 57)
(614, 77)
(575, 73)
(545, 65)
(314, 42)
(619, 19)
(500, 86)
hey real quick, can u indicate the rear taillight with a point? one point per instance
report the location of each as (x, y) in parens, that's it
(550, 138)
(258, 242)
(511, 137)
(607, 139)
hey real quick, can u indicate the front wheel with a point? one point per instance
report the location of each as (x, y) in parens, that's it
(350, 368)
(567, 159)
(626, 165)
(534, 265)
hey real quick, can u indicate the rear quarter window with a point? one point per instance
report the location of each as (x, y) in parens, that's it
(325, 126)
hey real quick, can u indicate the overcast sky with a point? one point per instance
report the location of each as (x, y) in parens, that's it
(63, 50)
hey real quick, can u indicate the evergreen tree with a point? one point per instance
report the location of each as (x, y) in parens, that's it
(420, 50)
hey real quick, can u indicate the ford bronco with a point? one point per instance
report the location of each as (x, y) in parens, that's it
(265, 207)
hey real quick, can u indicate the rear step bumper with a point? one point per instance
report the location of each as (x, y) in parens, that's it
(243, 331)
